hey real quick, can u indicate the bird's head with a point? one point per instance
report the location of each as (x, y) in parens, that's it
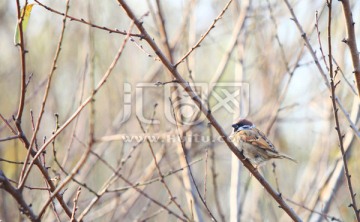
(242, 124)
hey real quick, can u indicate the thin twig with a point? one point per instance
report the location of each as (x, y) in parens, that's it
(9, 138)
(163, 34)
(12, 162)
(346, 80)
(81, 20)
(157, 179)
(331, 218)
(276, 108)
(190, 172)
(214, 176)
(335, 110)
(319, 40)
(134, 186)
(62, 167)
(204, 35)
(7, 124)
(276, 178)
(31, 188)
(172, 198)
(72, 219)
(238, 28)
(75, 124)
(206, 171)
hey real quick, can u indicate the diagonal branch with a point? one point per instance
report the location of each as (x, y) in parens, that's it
(172, 68)
(162, 180)
(24, 207)
(22, 50)
(351, 41)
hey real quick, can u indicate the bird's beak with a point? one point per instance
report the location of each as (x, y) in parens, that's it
(233, 125)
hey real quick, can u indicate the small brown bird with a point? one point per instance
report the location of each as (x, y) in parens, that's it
(254, 144)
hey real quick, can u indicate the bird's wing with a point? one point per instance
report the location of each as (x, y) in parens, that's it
(257, 138)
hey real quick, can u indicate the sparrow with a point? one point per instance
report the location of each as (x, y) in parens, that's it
(253, 143)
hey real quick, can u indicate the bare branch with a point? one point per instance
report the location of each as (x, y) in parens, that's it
(351, 41)
(72, 219)
(172, 198)
(321, 71)
(204, 35)
(207, 112)
(22, 52)
(81, 20)
(16, 194)
(81, 162)
(46, 93)
(336, 116)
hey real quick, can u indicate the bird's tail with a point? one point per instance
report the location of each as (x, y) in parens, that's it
(281, 155)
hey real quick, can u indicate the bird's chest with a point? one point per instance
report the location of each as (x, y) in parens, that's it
(255, 154)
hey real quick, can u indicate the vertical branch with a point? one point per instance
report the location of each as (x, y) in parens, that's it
(335, 110)
(351, 41)
(214, 177)
(239, 75)
(22, 51)
(75, 205)
(42, 109)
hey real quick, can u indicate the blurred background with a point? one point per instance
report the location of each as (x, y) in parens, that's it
(254, 53)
